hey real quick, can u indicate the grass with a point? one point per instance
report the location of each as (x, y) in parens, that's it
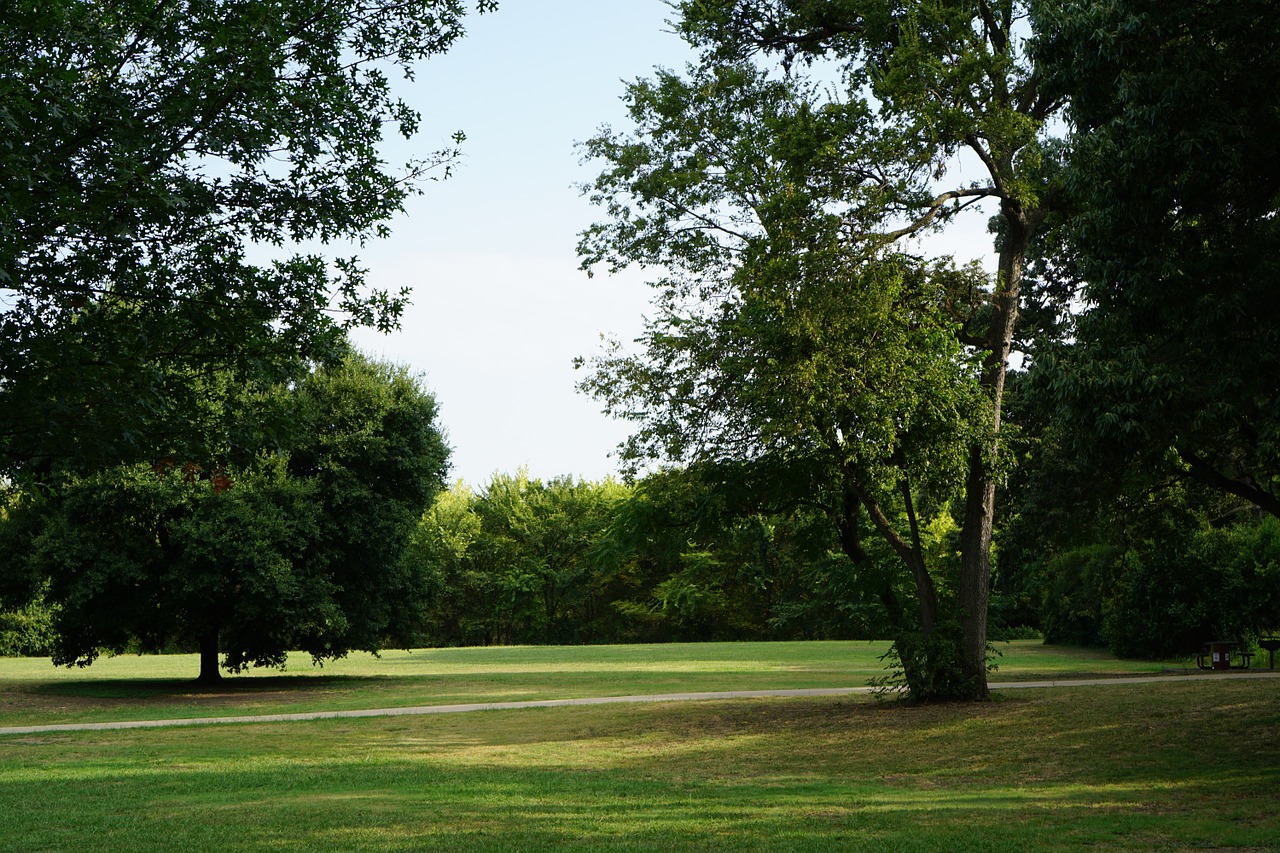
(133, 687)
(1193, 764)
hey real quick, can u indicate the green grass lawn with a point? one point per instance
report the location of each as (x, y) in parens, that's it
(1193, 764)
(136, 687)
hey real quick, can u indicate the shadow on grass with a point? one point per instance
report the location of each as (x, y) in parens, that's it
(232, 687)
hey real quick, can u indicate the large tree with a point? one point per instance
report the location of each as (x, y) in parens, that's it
(806, 173)
(146, 146)
(291, 550)
(1176, 112)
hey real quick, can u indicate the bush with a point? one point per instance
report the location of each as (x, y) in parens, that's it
(930, 667)
(1212, 584)
(1076, 586)
(27, 632)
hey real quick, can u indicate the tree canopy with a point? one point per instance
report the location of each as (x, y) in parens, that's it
(1176, 239)
(289, 551)
(147, 147)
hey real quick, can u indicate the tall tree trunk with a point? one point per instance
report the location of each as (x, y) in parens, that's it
(209, 672)
(980, 484)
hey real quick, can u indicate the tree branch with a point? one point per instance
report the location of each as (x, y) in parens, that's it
(1244, 487)
(931, 213)
(995, 34)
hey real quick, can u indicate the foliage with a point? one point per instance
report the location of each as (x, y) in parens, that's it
(27, 631)
(286, 552)
(437, 552)
(1180, 591)
(522, 562)
(371, 443)
(927, 665)
(1173, 171)
(148, 146)
(788, 324)
(1149, 564)
(706, 553)
(715, 553)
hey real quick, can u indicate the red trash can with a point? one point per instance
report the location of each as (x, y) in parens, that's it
(1221, 653)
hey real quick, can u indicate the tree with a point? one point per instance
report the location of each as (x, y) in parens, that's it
(438, 550)
(299, 550)
(519, 563)
(147, 146)
(1173, 169)
(736, 177)
(742, 550)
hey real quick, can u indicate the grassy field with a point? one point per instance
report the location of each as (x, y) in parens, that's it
(1189, 765)
(133, 687)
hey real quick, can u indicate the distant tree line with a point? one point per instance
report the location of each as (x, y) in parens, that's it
(565, 561)
(690, 555)
(1151, 570)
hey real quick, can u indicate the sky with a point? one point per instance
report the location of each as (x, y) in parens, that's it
(500, 307)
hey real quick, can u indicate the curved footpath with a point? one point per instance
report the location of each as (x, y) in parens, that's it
(603, 700)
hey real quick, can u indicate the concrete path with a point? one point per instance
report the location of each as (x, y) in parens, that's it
(603, 700)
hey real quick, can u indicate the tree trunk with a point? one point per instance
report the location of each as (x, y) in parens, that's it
(975, 572)
(209, 672)
(980, 484)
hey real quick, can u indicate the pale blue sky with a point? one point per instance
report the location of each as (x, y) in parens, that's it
(500, 308)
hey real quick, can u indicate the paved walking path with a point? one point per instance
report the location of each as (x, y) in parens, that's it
(603, 700)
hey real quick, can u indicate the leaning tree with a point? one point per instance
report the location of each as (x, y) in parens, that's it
(779, 179)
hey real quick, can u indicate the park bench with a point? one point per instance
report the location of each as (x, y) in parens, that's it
(1218, 654)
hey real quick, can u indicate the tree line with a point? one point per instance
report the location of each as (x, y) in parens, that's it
(699, 554)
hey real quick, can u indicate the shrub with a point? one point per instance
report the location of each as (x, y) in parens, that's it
(27, 632)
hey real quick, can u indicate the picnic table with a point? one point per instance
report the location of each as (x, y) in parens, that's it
(1218, 654)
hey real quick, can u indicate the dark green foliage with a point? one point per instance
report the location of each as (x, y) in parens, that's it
(1076, 586)
(371, 446)
(1177, 186)
(286, 552)
(144, 148)
(137, 556)
(721, 554)
(928, 665)
(1147, 565)
(1180, 591)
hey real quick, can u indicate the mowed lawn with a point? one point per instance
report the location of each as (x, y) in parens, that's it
(131, 687)
(1193, 764)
